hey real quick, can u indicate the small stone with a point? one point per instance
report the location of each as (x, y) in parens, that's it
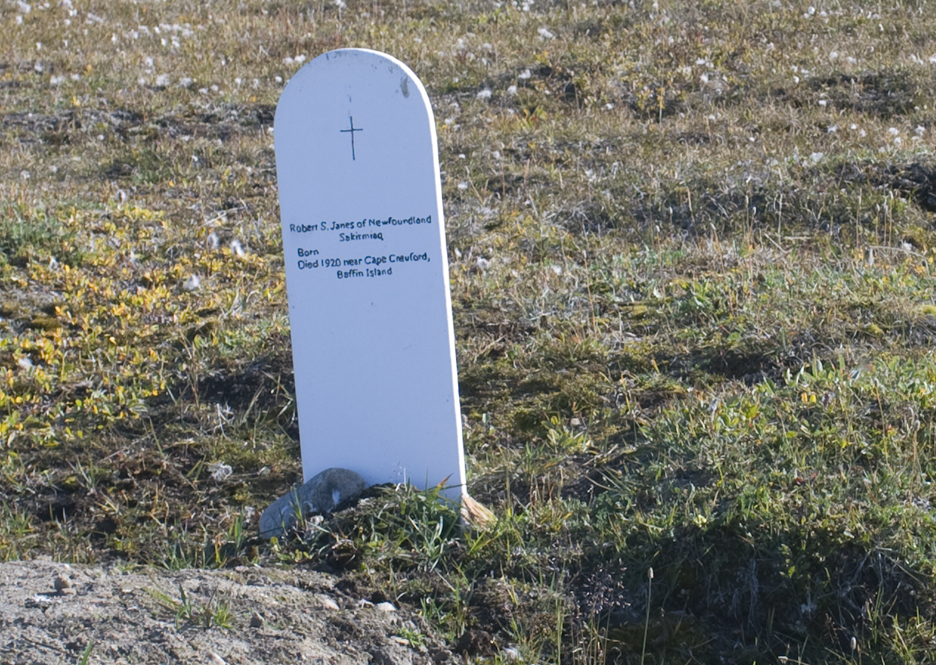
(256, 620)
(328, 602)
(320, 495)
(64, 585)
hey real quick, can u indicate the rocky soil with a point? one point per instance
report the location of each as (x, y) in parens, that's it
(60, 613)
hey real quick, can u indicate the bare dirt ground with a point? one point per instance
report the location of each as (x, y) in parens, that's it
(246, 615)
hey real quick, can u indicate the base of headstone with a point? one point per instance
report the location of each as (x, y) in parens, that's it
(320, 495)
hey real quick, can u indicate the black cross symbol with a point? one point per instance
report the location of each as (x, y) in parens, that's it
(351, 131)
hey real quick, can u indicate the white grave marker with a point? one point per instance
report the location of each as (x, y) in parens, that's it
(367, 273)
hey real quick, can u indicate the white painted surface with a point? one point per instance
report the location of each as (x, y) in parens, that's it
(374, 352)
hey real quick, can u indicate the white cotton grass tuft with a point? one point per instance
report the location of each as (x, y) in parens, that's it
(237, 249)
(484, 94)
(219, 471)
(212, 241)
(191, 283)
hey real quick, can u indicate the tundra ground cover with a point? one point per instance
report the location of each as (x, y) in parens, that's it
(692, 265)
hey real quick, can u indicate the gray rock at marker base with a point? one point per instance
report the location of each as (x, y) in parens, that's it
(321, 494)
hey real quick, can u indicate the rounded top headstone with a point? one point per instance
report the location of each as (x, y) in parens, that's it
(367, 272)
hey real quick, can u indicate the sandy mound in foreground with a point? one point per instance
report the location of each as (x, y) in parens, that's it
(153, 616)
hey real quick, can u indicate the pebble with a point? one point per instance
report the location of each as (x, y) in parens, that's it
(256, 621)
(327, 601)
(64, 585)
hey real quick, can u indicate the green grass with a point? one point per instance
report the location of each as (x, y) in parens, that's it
(692, 266)
(214, 613)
